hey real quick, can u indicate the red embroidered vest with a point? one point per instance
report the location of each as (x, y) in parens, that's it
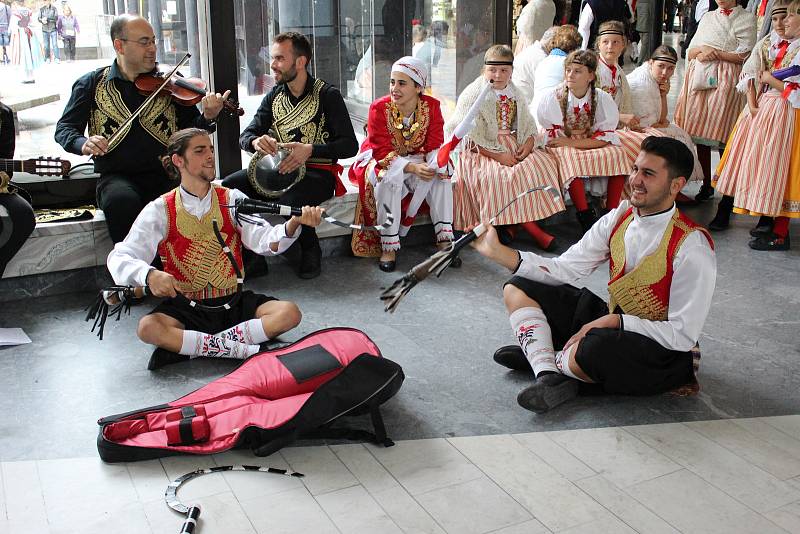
(644, 291)
(191, 253)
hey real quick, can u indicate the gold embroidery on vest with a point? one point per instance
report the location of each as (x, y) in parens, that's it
(632, 291)
(204, 263)
(159, 119)
(403, 146)
(288, 117)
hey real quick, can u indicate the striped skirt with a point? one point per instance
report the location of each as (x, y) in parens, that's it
(762, 170)
(482, 186)
(708, 116)
(609, 160)
(632, 143)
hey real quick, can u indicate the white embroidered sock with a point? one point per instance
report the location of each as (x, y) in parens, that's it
(249, 332)
(534, 336)
(563, 357)
(199, 344)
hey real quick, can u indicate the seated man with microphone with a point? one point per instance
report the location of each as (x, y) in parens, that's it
(194, 230)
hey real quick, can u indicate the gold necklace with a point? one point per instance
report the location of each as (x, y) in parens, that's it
(397, 121)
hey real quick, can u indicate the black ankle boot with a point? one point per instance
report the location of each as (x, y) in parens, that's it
(722, 220)
(706, 192)
(586, 218)
(764, 226)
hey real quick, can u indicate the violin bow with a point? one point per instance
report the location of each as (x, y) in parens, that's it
(135, 114)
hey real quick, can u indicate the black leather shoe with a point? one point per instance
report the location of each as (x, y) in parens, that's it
(547, 392)
(706, 192)
(513, 357)
(456, 263)
(504, 235)
(162, 357)
(764, 227)
(721, 221)
(387, 266)
(770, 242)
(586, 219)
(310, 262)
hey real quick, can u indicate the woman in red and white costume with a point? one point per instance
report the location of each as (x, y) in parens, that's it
(398, 158)
(709, 104)
(498, 160)
(581, 122)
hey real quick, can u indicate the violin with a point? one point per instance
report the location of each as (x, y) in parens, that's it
(184, 91)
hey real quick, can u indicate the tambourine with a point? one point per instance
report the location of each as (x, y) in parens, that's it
(262, 172)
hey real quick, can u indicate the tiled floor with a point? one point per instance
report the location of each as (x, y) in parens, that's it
(728, 476)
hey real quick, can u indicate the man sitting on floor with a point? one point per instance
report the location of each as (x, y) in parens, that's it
(662, 272)
(181, 227)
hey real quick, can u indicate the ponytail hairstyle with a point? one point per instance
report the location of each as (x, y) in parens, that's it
(178, 144)
(588, 59)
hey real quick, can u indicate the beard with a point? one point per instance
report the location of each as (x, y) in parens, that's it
(287, 76)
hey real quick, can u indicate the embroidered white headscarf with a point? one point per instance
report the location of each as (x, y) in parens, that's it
(413, 68)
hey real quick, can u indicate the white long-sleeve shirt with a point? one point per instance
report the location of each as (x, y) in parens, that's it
(129, 261)
(693, 279)
(585, 25)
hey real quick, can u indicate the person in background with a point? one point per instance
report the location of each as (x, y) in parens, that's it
(48, 17)
(68, 29)
(5, 37)
(26, 50)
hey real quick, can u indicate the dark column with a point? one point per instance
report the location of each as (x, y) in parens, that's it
(155, 22)
(192, 35)
(223, 47)
(657, 35)
(120, 7)
(133, 7)
(504, 19)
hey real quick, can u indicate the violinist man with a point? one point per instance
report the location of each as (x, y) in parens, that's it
(308, 118)
(130, 171)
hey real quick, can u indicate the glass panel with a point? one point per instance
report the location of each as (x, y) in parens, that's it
(39, 105)
(355, 28)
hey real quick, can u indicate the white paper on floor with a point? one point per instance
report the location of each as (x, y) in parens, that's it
(13, 336)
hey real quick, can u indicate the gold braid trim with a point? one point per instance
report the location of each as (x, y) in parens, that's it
(632, 291)
(422, 119)
(288, 117)
(508, 122)
(110, 111)
(204, 263)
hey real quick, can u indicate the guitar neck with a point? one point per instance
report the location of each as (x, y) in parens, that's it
(12, 165)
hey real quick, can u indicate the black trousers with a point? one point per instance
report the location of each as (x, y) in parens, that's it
(620, 361)
(314, 189)
(17, 221)
(69, 48)
(122, 197)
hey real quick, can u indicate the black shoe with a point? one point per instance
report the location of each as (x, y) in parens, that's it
(721, 221)
(310, 262)
(513, 357)
(387, 266)
(504, 235)
(456, 263)
(586, 218)
(255, 265)
(706, 192)
(770, 242)
(162, 357)
(764, 226)
(547, 392)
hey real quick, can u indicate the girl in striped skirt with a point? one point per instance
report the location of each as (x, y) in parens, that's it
(649, 87)
(769, 53)
(499, 160)
(760, 174)
(708, 103)
(580, 122)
